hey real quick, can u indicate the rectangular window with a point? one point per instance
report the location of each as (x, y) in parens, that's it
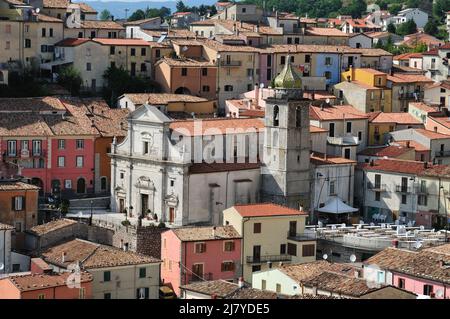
(257, 228)
(27, 43)
(347, 153)
(227, 266)
(183, 71)
(88, 66)
(145, 148)
(18, 203)
(331, 130)
(283, 249)
(7, 45)
(142, 272)
(80, 161)
(24, 146)
(263, 284)
(61, 161)
(43, 32)
(308, 250)
(112, 50)
(332, 188)
(292, 249)
(377, 196)
(200, 248)
(229, 246)
(107, 295)
(41, 296)
(278, 288)
(427, 290)
(283, 60)
(328, 61)
(359, 136)
(401, 283)
(51, 32)
(81, 293)
(133, 52)
(80, 144)
(61, 144)
(37, 147)
(143, 51)
(404, 201)
(106, 276)
(12, 148)
(349, 127)
(307, 58)
(204, 72)
(157, 53)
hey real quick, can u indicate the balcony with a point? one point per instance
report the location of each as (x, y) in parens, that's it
(442, 153)
(403, 189)
(415, 96)
(347, 140)
(231, 63)
(377, 187)
(267, 258)
(301, 237)
(196, 277)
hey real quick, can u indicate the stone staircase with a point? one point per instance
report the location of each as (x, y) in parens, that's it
(84, 204)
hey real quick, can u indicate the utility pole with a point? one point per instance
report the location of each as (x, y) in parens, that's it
(126, 13)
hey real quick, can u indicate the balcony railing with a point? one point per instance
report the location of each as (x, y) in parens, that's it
(267, 258)
(376, 187)
(231, 63)
(411, 96)
(343, 140)
(403, 189)
(442, 153)
(301, 237)
(199, 277)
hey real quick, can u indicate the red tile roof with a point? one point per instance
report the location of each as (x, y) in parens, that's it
(432, 135)
(316, 129)
(30, 282)
(397, 118)
(216, 126)
(416, 145)
(121, 42)
(338, 112)
(71, 42)
(206, 233)
(324, 159)
(266, 209)
(386, 150)
(395, 166)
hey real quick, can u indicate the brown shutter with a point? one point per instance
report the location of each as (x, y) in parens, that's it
(13, 203)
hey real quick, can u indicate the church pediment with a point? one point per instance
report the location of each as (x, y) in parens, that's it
(171, 199)
(145, 182)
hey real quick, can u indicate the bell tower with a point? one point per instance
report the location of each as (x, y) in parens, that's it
(286, 170)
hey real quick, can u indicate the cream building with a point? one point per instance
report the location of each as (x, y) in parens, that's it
(271, 236)
(117, 274)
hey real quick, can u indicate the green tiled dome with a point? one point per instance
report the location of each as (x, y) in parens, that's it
(289, 77)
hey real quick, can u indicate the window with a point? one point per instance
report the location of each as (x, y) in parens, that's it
(359, 136)
(157, 53)
(93, 34)
(61, 144)
(227, 266)
(80, 144)
(380, 277)
(283, 60)
(349, 127)
(44, 48)
(278, 288)
(327, 75)
(401, 283)
(18, 203)
(205, 88)
(331, 129)
(377, 196)
(328, 61)
(50, 31)
(172, 182)
(183, 71)
(61, 161)
(308, 250)
(43, 32)
(37, 147)
(372, 95)
(133, 52)
(200, 248)
(228, 88)
(423, 200)
(41, 296)
(7, 45)
(427, 290)
(80, 160)
(12, 148)
(404, 201)
(257, 228)
(142, 293)
(142, 272)
(263, 284)
(143, 51)
(332, 188)
(292, 249)
(276, 115)
(347, 153)
(256, 268)
(16, 267)
(307, 58)
(27, 43)
(81, 293)
(112, 50)
(88, 66)
(107, 295)
(8, 28)
(229, 246)
(24, 145)
(106, 276)
(204, 71)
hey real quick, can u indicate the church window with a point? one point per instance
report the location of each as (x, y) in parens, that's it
(276, 111)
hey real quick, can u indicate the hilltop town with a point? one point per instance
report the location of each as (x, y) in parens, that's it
(226, 152)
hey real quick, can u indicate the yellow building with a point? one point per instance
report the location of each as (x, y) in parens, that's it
(271, 235)
(382, 123)
(365, 89)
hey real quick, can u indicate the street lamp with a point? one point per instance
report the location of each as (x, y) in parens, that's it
(90, 218)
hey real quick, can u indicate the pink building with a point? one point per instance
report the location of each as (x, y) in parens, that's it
(191, 254)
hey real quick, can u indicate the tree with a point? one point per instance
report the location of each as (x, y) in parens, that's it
(105, 15)
(406, 28)
(440, 7)
(395, 8)
(355, 9)
(391, 28)
(70, 79)
(413, 3)
(181, 7)
(431, 27)
(137, 15)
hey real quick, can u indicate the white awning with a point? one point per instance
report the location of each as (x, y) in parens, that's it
(336, 206)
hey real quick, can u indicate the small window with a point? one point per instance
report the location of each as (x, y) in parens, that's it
(183, 71)
(227, 266)
(205, 88)
(80, 161)
(112, 50)
(401, 283)
(283, 249)
(88, 66)
(292, 249)
(263, 284)
(80, 144)
(229, 246)
(349, 127)
(106, 276)
(256, 268)
(41, 296)
(377, 196)
(228, 88)
(143, 51)
(328, 61)
(404, 199)
(308, 250)
(107, 295)
(205, 71)
(257, 228)
(427, 290)
(133, 52)
(142, 272)
(172, 183)
(278, 288)
(61, 161)
(200, 248)
(18, 203)
(61, 144)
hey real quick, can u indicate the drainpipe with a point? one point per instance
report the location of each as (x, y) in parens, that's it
(244, 262)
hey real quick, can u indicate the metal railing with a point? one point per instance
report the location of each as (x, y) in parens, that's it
(376, 187)
(301, 237)
(403, 189)
(230, 63)
(411, 96)
(442, 153)
(267, 258)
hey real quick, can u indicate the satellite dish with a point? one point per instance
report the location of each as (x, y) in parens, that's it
(440, 293)
(325, 256)
(327, 100)
(261, 85)
(352, 258)
(38, 10)
(185, 48)
(2, 266)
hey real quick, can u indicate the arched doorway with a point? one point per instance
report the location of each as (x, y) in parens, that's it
(182, 90)
(39, 183)
(81, 186)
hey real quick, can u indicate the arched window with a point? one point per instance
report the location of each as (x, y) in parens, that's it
(276, 115)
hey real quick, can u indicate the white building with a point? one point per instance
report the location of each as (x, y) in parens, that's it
(360, 40)
(435, 63)
(133, 29)
(420, 17)
(438, 94)
(5, 248)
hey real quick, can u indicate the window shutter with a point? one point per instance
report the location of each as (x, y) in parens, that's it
(13, 203)
(147, 293)
(204, 248)
(23, 203)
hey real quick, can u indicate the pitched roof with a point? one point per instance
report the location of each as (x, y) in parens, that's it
(444, 121)
(332, 32)
(204, 168)
(142, 21)
(390, 258)
(92, 255)
(395, 166)
(99, 24)
(85, 8)
(431, 134)
(56, 4)
(35, 104)
(219, 288)
(424, 107)
(51, 226)
(6, 227)
(71, 42)
(335, 112)
(206, 233)
(302, 272)
(324, 159)
(407, 56)
(186, 62)
(266, 210)
(397, 118)
(161, 98)
(385, 150)
(121, 42)
(15, 186)
(216, 126)
(252, 293)
(30, 282)
(416, 145)
(408, 78)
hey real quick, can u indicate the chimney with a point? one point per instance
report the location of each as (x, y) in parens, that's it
(213, 232)
(63, 257)
(257, 95)
(241, 282)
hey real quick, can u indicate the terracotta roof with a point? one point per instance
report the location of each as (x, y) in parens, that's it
(372, 71)
(6, 227)
(92, 255)
(385, 150)
(51, 226)
(142, 21)
(305, 271)
(444, 121)
(15, 2)
(431, 52)
(173, 33)
(71, 42)
(217, 126)
(266, 210)
(397, 118)
(56, 4)
(30, 282)
(206, 233)
(316, 129)
(390, 258)
(85, 8)
(35, 104)
(45, 18)
(335, 112)
(252, 293)
(408, 78)
(121, 42)
(437, 171)
(420, 37)
(161, 98)
(431, 134)
(416, 145)
(441, 249)
(204, 168)
(324, 159)
(395, 166)
(99, 24)
(16, 186)
(407, 56)
(186, 62)
(332, 32)
(219, 288)
(220, 47)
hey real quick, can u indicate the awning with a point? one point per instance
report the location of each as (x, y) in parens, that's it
(336, 206)
(49, 65)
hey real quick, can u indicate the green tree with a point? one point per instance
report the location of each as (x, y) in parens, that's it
(406, 28)
(70, 79)
(356, 8)
(181, 6)
(391, 28)
(105, 15)
(431, 27)
(394, 8)
(413, 3)
(440, 7)
(137, 15)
